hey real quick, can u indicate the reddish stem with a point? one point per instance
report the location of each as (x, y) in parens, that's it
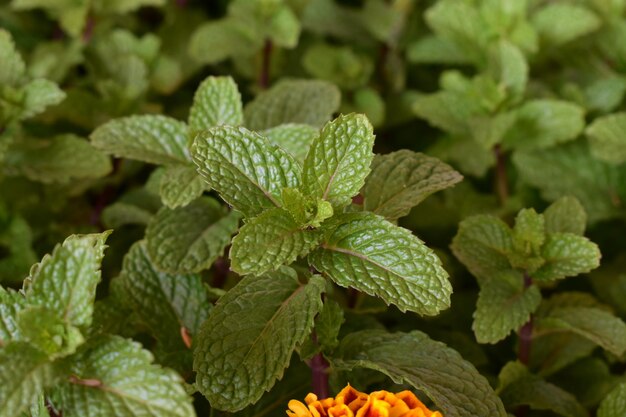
(264, 77)
(525, 342)
(502, 186)
(319, 374)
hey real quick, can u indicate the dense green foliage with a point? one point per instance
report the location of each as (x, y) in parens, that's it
(210, 208)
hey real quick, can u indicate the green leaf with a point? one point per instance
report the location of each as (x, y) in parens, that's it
(11, 302)
(247, 341)
(328, 323)
(150, 138)
(452, 383)
(180, 185)
(24, 374)
(191, 238)
(294, 138)
(339, 160)
(607, 138)
(482, 244)
(247, 171)
(372, 255)
(65, 282)
(508, 65)
(560, 23)
(217, 102)
(597, 325)
(218, 40)
(16, 238)
(37, 95)
(120, 214)
(401, 180)
(431, 49)
(566, 215)
(338, 64)
(115, 376)
(125, 6)
(60, 159)
(503, 305)
(447, 110)
(543, 123)
(270, 240)
(284, 28)
(13, 67)
(306, 212)
(311, 102)
(567, 255)
(165, 303)
(520, 387)
(528, 237)
(46, 331)
(614, 404)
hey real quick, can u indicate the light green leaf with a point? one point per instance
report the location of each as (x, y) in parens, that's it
(431, 49)
(465, 153)
(65, 282)
(218, 40)
(508, 65)
(528, 237)
(597, 325)
(180, 185)
(306, 212)
(339, 160)
(614, 404)
(247, 341)
(543, 123)
(567, 255)
(154, 139)
(24, 374)
(248, 171)
(119, 214)
(270, 240)
(115, 376)
(191, 238)
(311, 102)
(482, 244)
(605, 94)
(503, 305)
(12, 69)
(16, 238)
(566, 215)
(124, 6)
(452, 383)
(294, 138)
(372, 255)
(59, 159)
(607, 138)
(560, 23)
(338, 64)
(284, 28)
(217, 102)
(401, 180)
(39, 94)
(11, 302)
(46, 331)
(447, 110)
(520, 387)
(165, 303)
(489, 130)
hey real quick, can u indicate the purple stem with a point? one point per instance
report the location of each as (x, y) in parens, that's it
(264, 77)
(319, 374)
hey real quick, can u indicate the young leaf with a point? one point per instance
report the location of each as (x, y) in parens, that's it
(338, 160)
(65, 282)
(270, 240)
(328, 324)
(247, 171)
(401, 180)
(46, 331)
(24, 373)
(567, 255)
(372, 255)
(115, 376)
(559, 23)
(452, 383)
(310, 102)
(37, 95)
(607, 138)
(614, 404)
(217, 102)
(503, 305)
(180, 185)
(294, 138)
(12, 69)
(166, 303)
(247, 341)
(508, 65)
(566, 215)
(150, 138)
(189, 239)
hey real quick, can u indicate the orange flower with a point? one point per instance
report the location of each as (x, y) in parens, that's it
(352, 403)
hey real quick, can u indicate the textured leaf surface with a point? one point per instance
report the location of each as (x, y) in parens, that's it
(372, 255)
(310, 102)
(614, 405)
(247, 341)
(12, 64)
(11, 302)
(150, 138)
(270, 240)
(566, 215)
(560, 23)
(339, 159)
(39, 94)
(217, 102)
(503, 305)
(65, 282)
(164, 302)
(607, 137)
(294, 138)
(24, 373)
(247, 171)
(567, 255)
(452, 383)
(401, 180)
(180, 185)
(482, 244)
(189, 239)
(115, 376)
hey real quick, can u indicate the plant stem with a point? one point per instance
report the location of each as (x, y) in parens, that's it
(525, 341)
(264, 77)
(319, 374)
(502, 186)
